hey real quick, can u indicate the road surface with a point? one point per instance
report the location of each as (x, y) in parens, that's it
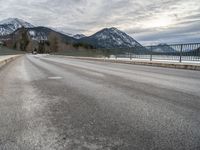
(53, 102)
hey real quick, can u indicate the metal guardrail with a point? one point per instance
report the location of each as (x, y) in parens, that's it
(7, 51)
(177, 52)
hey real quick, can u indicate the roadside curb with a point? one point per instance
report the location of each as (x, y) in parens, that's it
(7, 60)
(144, 63)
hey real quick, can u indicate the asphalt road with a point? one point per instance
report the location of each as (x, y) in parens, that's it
(57, 103)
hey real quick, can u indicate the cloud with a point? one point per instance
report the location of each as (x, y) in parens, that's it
(147, 21)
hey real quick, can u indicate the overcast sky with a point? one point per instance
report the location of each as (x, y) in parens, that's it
(148, 21)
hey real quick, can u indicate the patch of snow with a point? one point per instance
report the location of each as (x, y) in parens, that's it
(79, 36)
(32, 33)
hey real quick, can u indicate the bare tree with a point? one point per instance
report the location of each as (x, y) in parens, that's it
(54, 41)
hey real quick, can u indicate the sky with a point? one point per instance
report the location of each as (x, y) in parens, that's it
(147, 21)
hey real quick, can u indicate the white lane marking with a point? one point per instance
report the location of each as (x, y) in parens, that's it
(54, 78)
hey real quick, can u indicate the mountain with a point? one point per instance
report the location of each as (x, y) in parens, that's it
(163, 48)
(79, 36)
(110, 38)
(10, 25)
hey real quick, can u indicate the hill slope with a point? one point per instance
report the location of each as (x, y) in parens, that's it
(10, 25)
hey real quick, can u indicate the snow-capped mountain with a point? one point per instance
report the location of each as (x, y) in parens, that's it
(38, 34)
(10, 25)
(79, 36)
(111, 38)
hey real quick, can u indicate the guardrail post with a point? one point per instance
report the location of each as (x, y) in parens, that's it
(116, 54)
(198, 53)
(181, 51)
(151, 53)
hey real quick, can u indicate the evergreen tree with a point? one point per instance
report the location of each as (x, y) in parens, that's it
(41, 47)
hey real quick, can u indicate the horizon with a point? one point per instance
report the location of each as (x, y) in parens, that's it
(147, 22)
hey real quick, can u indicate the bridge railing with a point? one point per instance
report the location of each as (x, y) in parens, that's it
(175, 52)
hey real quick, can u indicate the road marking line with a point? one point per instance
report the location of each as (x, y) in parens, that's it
(54, 78)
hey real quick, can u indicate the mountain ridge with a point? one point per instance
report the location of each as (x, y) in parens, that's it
(105, 38)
